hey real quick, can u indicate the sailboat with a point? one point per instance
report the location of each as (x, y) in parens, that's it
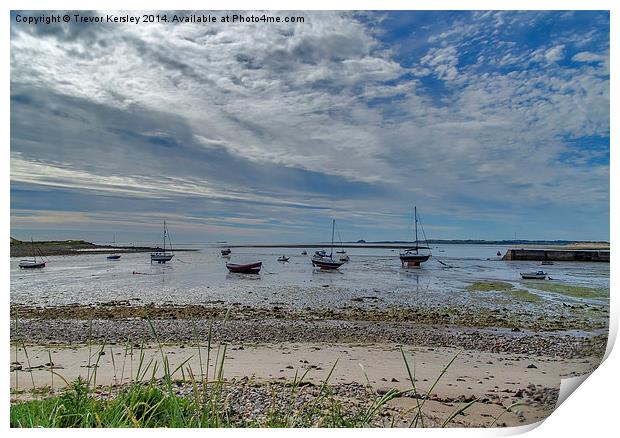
(412, 257)
(113, 256)
(161, 256)
(32, 264)
(324, 261)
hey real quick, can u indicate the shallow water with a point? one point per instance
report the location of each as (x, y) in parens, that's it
(201, 278)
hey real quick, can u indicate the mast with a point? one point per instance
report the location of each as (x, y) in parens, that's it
(164, 236)
(415, 217)
(333, 225)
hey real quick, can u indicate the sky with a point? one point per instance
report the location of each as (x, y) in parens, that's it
(494, 124)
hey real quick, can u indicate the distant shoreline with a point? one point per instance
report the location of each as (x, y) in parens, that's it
(550, 244)
(74, 247)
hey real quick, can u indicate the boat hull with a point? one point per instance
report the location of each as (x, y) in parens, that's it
(533, 276)
(328, 265)
(113, 257)
(30, 265)
(252, 268)
(413, 259)
(161, 258)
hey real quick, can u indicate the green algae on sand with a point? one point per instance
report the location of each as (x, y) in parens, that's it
(485, 286)
(507, 288)
(523, 295)
(567, 289)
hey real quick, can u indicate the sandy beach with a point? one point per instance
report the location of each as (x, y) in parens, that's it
(494, 367)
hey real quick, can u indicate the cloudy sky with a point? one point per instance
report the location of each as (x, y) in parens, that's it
(492, 123)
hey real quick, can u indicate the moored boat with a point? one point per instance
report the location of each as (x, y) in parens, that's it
(283, 259)
(304, 252)
(32, 263)
(162, 256)
(226, 252)
(413, 257)
(113, 256)
(250, 268)
(538, 275)
(324, 261)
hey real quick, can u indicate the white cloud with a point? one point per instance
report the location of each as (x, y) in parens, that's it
(555, 53)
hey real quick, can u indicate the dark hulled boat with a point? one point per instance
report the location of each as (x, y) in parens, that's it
(32, 263)
(251, 268)
(113, 256)
(413, 257)
(326, 262)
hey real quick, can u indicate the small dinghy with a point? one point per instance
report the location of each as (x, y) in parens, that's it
(283, 259)
(547, 262)
(226, 252)
(251, 268)
(304, 252)
(538, 275)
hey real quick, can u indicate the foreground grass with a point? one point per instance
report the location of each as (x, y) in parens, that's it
(149, 405)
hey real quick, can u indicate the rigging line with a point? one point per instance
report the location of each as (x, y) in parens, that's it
(42, 255)
(424, 234)
(429, 247)
(183, 261)
(339, 237)
(167, 233)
